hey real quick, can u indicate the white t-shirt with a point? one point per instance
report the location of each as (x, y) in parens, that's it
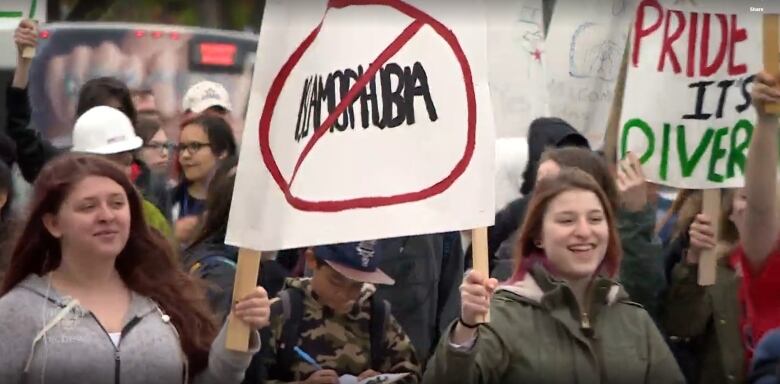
(115, 336)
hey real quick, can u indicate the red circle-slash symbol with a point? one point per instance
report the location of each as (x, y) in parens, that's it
(420, 19)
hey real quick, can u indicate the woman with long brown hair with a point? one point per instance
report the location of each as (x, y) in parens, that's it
(93, 295)
(560, 318)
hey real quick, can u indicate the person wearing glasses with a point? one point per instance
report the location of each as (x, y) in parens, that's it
(157, 149)
(203, 141)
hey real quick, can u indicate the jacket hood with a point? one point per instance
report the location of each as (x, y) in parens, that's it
(547, 132)
(41, 286)
(538, 287)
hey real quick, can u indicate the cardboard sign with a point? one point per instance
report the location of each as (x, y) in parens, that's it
(585, 45)
(687, 110)
(359, 129)
(516, 60)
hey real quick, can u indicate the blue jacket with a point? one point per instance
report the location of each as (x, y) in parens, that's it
(766, 360)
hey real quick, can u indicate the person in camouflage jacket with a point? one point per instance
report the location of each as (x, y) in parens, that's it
(335, 327)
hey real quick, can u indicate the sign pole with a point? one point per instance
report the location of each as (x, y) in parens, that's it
(613, 122)
(247, 270)
(479, 256)
(29, 52)
(708, 261)
(772, 52)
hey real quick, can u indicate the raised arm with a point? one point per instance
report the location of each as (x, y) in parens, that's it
(759, 236)
(32, 150)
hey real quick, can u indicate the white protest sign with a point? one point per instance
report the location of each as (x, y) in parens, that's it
(367, 119)
(516, 56)
(585, 45)
(11, 12)
(687, 111)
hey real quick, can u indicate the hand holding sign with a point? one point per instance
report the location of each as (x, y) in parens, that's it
(765, 91)
(475, 294)
(631, 184)
(26, 36)
(702, 237)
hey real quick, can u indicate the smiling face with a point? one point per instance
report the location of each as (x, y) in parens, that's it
(197, 160)
(93, 220)
(575, 234)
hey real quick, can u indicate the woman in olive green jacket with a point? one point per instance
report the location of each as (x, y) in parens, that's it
(574, 325)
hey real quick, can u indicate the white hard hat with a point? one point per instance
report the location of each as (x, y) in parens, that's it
(104, 130)
(204, 95)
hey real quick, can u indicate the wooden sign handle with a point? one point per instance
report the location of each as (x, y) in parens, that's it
(615, 111)
(771, 52)
(708, 262)
(479, 256)
(247, 270)
(28, 52)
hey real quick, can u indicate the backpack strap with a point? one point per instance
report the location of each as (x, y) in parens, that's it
(380, 317)
(291, 306)
(211, 260)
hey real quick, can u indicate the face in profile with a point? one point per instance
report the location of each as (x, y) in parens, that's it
(155, 153)
(93, 220)
(575, 234)
(195, 156)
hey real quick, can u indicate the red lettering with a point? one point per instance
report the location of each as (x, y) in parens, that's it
(737, 35)
(705, 68)
(666, 48)
(639, 28)
(692, 43)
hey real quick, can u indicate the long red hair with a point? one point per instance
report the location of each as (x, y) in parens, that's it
(526, 252)
(145, 264)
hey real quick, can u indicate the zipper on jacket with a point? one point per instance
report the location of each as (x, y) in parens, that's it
(585, 324)
(125, 329)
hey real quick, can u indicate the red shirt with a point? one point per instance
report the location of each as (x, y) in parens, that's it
(759, 295)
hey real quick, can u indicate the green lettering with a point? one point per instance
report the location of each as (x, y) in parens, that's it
(664, 171)
(637, 123)
(717, 154)
(737, 151)
(689, 164)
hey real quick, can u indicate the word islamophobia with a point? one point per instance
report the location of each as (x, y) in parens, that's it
(387, 100)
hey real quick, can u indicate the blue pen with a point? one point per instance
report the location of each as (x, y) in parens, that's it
(305, 356)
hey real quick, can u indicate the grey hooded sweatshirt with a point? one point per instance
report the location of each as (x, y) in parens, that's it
(49, 338)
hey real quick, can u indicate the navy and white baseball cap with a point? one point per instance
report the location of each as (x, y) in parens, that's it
(356, 261)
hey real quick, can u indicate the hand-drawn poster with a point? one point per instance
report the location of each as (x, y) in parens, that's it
(367, 119)
(585, 45)
(687, 110)
(516, 57)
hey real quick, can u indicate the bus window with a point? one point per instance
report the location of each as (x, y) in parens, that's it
(162, 60)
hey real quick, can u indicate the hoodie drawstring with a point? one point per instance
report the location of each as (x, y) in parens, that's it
(60, 315)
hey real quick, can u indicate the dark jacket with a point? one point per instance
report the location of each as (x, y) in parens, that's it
(535, 335)
(428, 270)
(33, 151)
(214, 262)
(702, 323)
(182, 204)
